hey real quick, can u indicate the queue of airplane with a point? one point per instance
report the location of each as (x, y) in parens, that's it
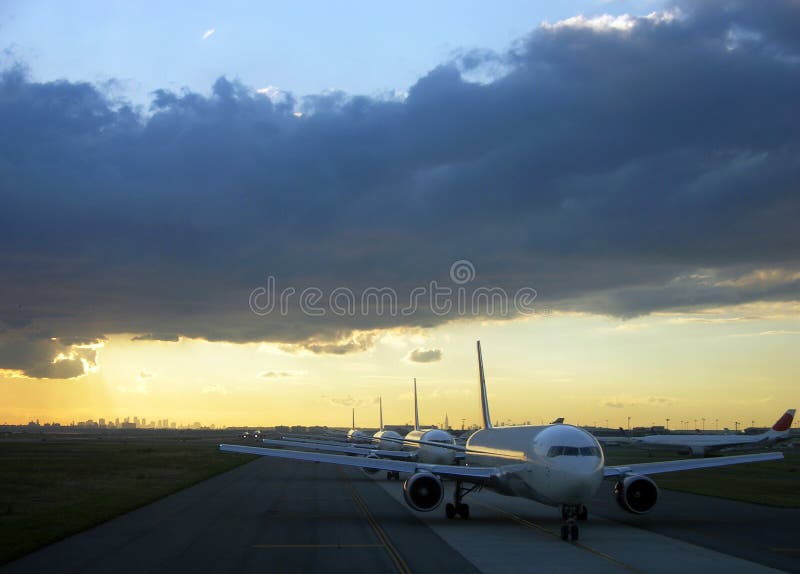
(420, 445)
(558, 465)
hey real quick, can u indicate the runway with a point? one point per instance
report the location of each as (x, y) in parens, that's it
(284, 516)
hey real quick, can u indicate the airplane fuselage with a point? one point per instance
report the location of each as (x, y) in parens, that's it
(701, 444)
(430, 454)
(555, 464)
(388, 440)
(357, 436)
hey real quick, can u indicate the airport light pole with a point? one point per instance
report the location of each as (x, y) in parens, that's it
(704, 424)
(629, 424)
(667, 424)
(695, 424)
(737, 425)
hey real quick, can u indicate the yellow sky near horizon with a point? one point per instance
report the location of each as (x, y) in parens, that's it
(738, 363)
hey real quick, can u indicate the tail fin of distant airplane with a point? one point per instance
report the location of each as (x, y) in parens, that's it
(487, 420)
(416, 406)
(558, 421)
(380, 410)
(785, 422)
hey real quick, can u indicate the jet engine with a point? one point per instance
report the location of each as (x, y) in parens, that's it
(636, 494)
(370, 471)
(423, 491)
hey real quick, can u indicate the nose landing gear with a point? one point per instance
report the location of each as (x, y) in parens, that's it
(570, 513)
(458, 508)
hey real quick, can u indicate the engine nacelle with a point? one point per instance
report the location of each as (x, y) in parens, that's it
(370, 471)
(423, 491)
(636, 494)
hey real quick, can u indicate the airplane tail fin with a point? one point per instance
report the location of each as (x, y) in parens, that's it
(416, 406)
(487, 420)
(785, 422)
(558, 421)
(380, 411)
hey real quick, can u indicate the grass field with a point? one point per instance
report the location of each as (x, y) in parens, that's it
(774, 483)
(54, 487)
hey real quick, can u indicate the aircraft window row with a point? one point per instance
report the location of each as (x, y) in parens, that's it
(573, 451)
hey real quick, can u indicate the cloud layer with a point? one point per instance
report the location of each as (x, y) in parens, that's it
(617, 166)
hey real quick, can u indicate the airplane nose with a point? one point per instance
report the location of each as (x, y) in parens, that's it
(578, 483)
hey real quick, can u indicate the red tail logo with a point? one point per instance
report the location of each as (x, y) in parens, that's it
(784, 422)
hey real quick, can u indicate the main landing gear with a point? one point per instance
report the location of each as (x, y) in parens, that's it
(458, 508)
(392, 475)
(570, 514)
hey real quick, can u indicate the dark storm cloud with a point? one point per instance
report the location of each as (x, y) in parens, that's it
(617, 171)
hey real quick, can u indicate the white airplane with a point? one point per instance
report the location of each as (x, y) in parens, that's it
(615, 440)
(385, 439)
(384, 444)
(354, 436)
(559, 465)
(704, 444)
(432, 446)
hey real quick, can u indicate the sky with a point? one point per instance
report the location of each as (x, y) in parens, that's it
(272, 213)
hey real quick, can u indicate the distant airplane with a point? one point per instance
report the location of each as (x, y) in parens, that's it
(704, 444)
(624, 438)
(558, 465)
(354, 435)
(384, 444)
(420, 445)
(430, 445)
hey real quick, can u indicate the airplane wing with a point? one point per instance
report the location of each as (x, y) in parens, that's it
(688, 464)
(427, 443)
(613, 440)
(473, 474)
(351, 449)
(340, 438)
(332, 442)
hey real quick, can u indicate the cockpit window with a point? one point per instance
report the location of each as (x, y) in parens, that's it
(573, 451)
